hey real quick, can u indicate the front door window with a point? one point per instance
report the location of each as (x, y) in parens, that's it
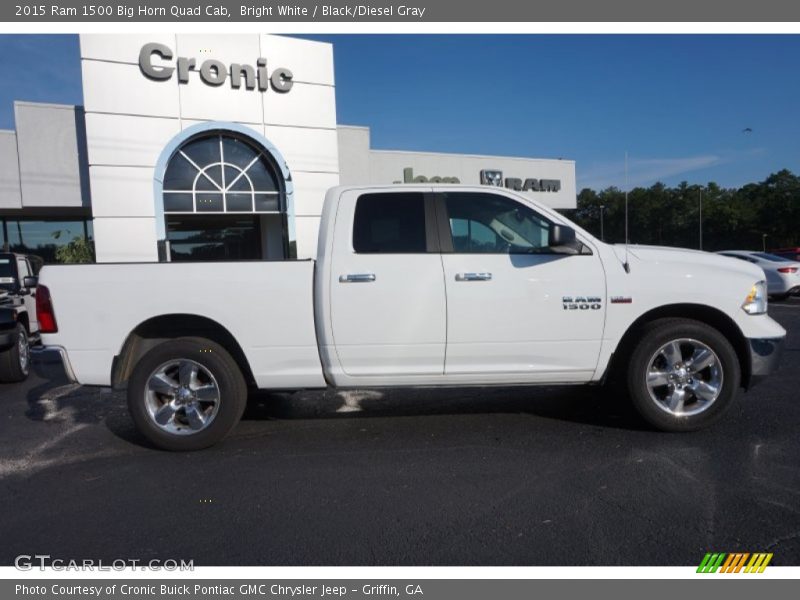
(492, 224)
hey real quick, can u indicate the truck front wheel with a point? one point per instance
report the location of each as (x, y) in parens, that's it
(683, 375)
(186, 394)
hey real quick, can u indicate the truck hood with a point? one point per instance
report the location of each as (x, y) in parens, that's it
(691, 260)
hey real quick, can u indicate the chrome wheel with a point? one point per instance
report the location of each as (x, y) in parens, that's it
(24, 352)
(684, 377)
(182, 397)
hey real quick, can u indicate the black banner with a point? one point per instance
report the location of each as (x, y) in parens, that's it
(416, 11)
(358, 589)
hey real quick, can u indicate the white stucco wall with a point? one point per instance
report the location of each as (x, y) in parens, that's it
(10, 194)
(360, 165)
(131, 118)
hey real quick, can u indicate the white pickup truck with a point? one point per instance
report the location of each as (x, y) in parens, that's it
(415, 286)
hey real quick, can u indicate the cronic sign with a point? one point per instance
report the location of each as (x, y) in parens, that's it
(156, 61)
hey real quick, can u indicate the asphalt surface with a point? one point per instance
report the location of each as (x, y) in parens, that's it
(517, 476)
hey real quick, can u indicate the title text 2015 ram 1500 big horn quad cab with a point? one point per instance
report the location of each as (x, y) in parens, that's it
(415, 286)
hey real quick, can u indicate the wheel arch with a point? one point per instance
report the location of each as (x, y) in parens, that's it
(698, 312)
(155, 330)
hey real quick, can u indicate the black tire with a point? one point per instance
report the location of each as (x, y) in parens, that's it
(653, 337)
(216, 360)
(14, 366)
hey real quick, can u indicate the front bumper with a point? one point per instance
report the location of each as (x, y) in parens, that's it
(765, 354)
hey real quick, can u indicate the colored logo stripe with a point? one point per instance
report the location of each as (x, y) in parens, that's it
(758, 563)
(734, 562)
(711, 562)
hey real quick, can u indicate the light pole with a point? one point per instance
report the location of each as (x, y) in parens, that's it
(602, 236)
(764, 242)
(701, 219)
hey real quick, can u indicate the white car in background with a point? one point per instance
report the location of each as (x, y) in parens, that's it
(783, 275)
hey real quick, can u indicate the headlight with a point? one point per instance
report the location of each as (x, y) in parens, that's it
(756, 301)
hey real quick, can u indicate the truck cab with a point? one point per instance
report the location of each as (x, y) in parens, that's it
(456, 286)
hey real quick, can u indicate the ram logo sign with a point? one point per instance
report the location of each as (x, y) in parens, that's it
(495, 178)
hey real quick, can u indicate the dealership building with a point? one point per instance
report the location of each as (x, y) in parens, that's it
(198, 147)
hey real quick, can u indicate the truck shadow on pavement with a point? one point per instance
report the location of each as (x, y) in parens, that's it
(55, 399)
(577, 404)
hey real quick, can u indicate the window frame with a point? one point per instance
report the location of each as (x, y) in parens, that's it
(432, 242)
(202, 173)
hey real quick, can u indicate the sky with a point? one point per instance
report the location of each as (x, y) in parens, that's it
(679, 105)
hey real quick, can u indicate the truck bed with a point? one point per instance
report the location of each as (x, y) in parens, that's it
(266, 306)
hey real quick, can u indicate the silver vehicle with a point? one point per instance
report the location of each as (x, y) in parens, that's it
(783, 275)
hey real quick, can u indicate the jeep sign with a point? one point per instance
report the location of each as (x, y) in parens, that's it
(409, 177)
(155, 62)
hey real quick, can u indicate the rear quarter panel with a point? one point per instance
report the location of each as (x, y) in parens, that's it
(266, 306)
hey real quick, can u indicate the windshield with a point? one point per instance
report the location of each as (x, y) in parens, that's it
(6, 268)
(7, 275)
(772, 257)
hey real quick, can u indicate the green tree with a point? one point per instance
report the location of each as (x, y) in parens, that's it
(77, 250)
(670, 216)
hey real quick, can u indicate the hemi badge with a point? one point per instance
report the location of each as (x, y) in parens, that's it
(621, 300)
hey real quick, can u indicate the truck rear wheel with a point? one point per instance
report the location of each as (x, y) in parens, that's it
(186, 394)
(15, 362)
(683, 375)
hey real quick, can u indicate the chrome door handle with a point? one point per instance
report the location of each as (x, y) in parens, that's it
(357, 278)
(473, 276)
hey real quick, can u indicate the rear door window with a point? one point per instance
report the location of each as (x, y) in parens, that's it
(390, 223)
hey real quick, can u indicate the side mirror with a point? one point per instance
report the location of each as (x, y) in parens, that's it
(562, 235)
(30, 282)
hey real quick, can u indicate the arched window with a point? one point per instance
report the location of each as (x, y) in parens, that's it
(221, 172)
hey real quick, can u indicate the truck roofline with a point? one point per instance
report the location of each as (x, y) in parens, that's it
(421, 187)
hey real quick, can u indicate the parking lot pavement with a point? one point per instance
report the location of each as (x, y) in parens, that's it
(517, 476)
